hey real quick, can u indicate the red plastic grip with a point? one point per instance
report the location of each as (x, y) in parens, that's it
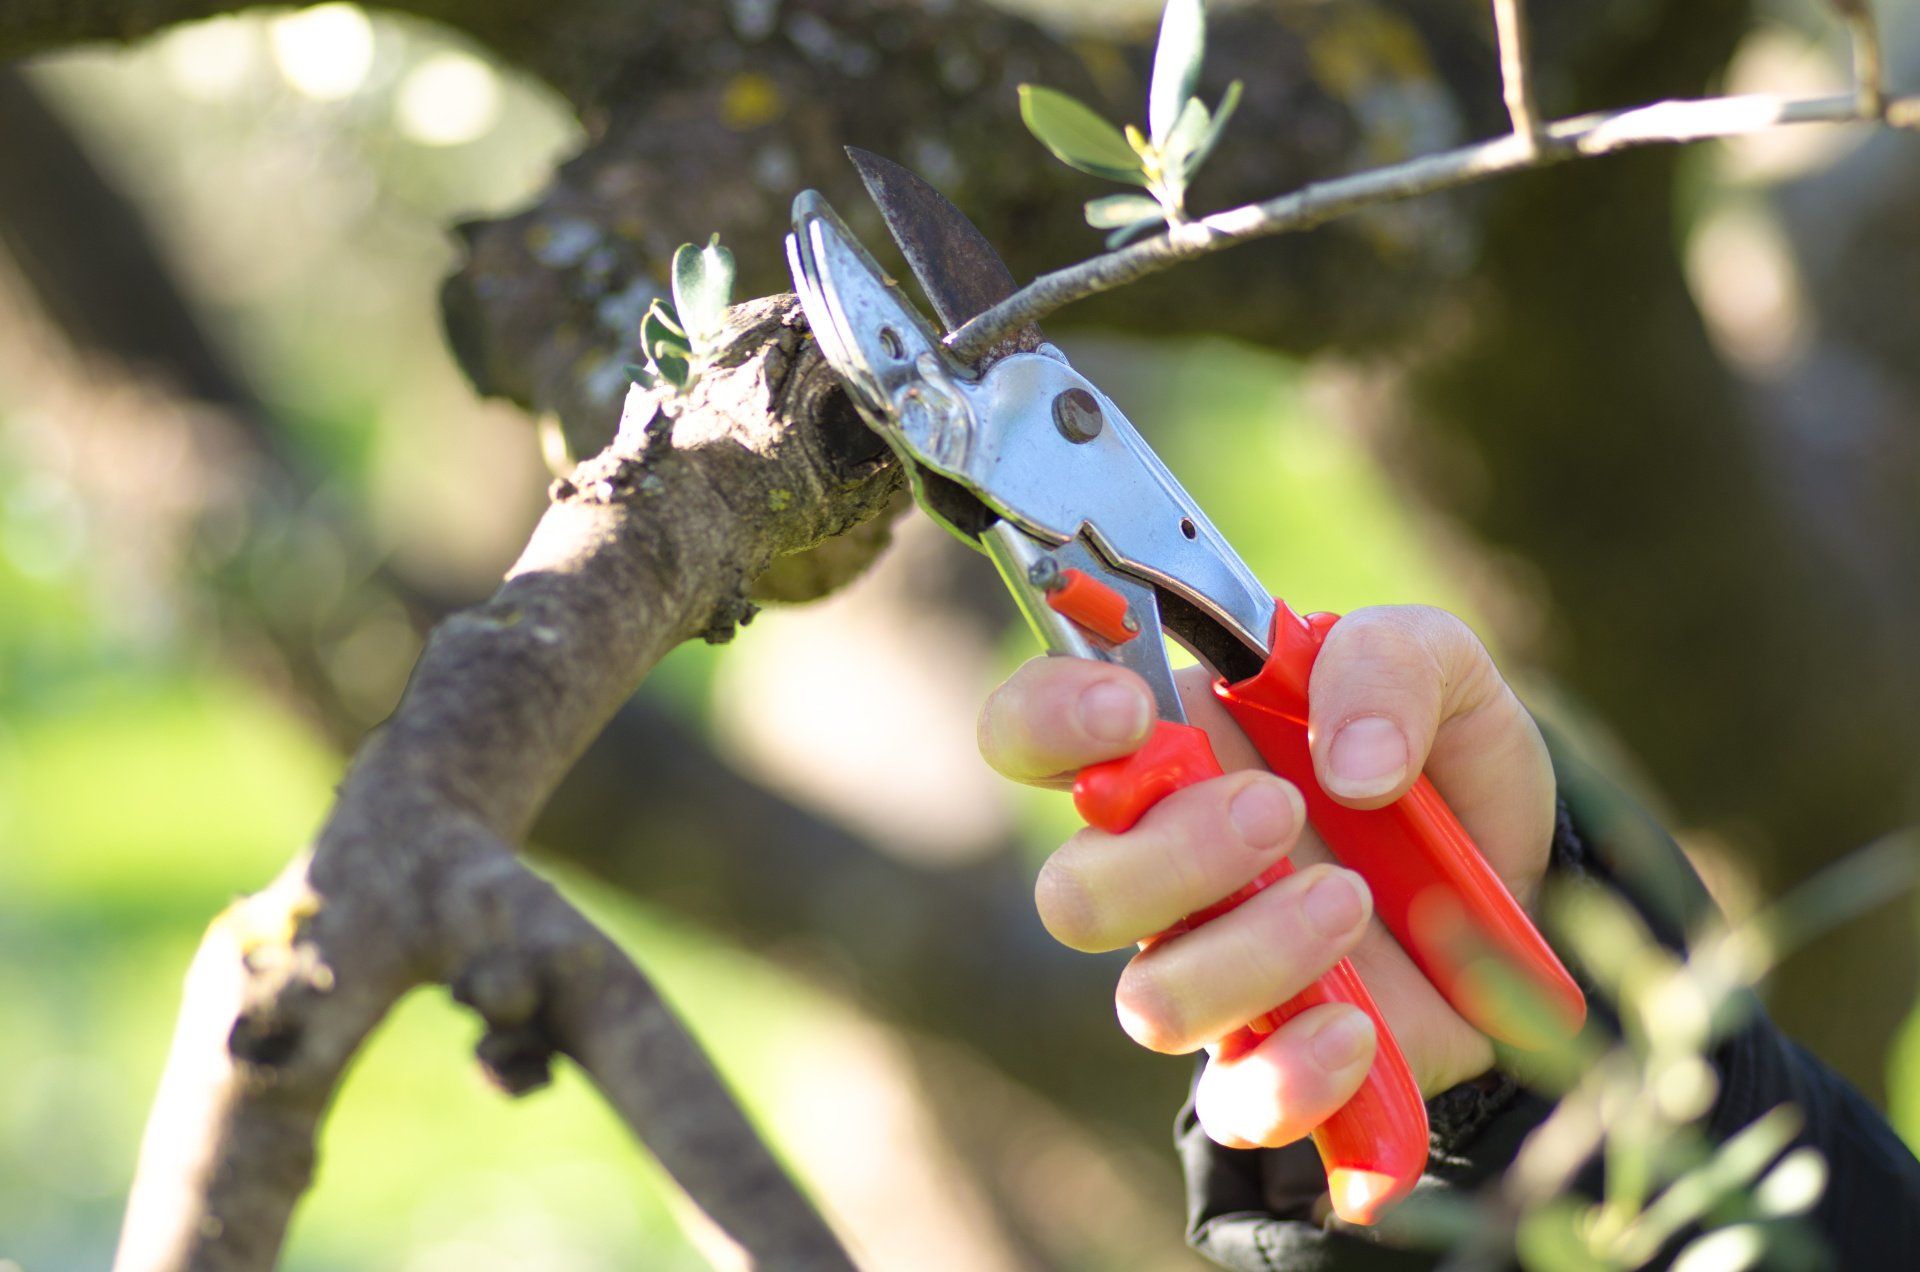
(1431, 887)
(1375, 1147)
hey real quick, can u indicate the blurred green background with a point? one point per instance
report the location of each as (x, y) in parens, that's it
(298, 171)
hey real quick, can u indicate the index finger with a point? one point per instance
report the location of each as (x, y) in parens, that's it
(1055, 716)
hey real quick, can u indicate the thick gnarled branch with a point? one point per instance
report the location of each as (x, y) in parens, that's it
(411, 880)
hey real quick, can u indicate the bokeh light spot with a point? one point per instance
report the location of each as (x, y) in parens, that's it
(210, 61)
(325, 52)
(1742, 273)
(448, 100)
(749, 100)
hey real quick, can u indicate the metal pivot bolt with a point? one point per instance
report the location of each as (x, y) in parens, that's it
(1045, 575)
(1077, 415)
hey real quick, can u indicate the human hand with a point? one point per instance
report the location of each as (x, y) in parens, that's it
(1395, 690)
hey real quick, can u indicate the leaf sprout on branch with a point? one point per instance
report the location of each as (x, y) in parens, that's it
(679, 336)
(1081, 138)
(1181, 132)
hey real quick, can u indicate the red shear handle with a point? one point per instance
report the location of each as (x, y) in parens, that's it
(1431, 887)
(1375, 1147)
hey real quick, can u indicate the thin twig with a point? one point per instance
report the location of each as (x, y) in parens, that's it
(1660, 124)
(1869, 73)
(1516, 75)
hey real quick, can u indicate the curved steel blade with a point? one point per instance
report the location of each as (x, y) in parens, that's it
(961, 273)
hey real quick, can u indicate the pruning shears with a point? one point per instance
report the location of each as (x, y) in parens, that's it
(1028, 461)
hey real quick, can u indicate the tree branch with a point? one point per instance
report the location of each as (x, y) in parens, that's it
(410, 880)
(1588, 136)
(953, 951)
(650, 807)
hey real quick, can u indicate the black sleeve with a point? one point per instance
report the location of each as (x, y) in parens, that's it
(1257, 1210)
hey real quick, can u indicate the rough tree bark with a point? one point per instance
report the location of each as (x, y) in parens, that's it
(412, 879)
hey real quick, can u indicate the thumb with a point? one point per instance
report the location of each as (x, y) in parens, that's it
(1401, 689)
(1384, 680)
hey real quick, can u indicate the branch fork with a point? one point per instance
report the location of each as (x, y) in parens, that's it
(413, 881)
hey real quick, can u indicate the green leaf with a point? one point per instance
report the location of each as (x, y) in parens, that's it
(1859, 881)
(1188, 129)
(1117, 210)
(1549, 1239)
(637, 374)
(661, 312)
(658, 334)
(1732, 1168)
(1139, 229)
(1222, 113)
(1176, 65)
(675, 370)
(1610, 940)
(676, 346)
(702, 286)
(1077, 136)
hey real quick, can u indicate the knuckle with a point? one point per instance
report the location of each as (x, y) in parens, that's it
(1149, 1012)
(1420, 649)
(1447, 638)
(1259, 813)
(1001, 718)
(1465, 669)
(1067, 906)
(1199, 853)
(1309, 940)
(1027, 727)
(1447, 627)
(1184, 842)
(985, 734)
(1379, 642)
(1277, 946)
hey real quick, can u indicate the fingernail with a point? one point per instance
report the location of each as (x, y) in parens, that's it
(1263, 814)
(1368, 757)
(1334, 904)
(1342, 1040)
(1112, 712)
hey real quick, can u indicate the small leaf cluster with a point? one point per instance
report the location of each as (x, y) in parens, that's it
(1640, 1103)
(1181, 132)
(679, 337)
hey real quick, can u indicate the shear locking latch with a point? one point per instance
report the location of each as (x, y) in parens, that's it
(1077, 595)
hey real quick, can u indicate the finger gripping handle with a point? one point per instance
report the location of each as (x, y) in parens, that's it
(1431, 887)
(1113, 795)
(1375, 1147)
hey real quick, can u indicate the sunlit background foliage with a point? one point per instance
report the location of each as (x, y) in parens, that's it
(300, 170)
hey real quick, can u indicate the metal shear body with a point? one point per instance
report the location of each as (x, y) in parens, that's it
(1024, 459)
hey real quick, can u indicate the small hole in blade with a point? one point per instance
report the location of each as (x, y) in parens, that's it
(890, 341)
(1188, 528)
